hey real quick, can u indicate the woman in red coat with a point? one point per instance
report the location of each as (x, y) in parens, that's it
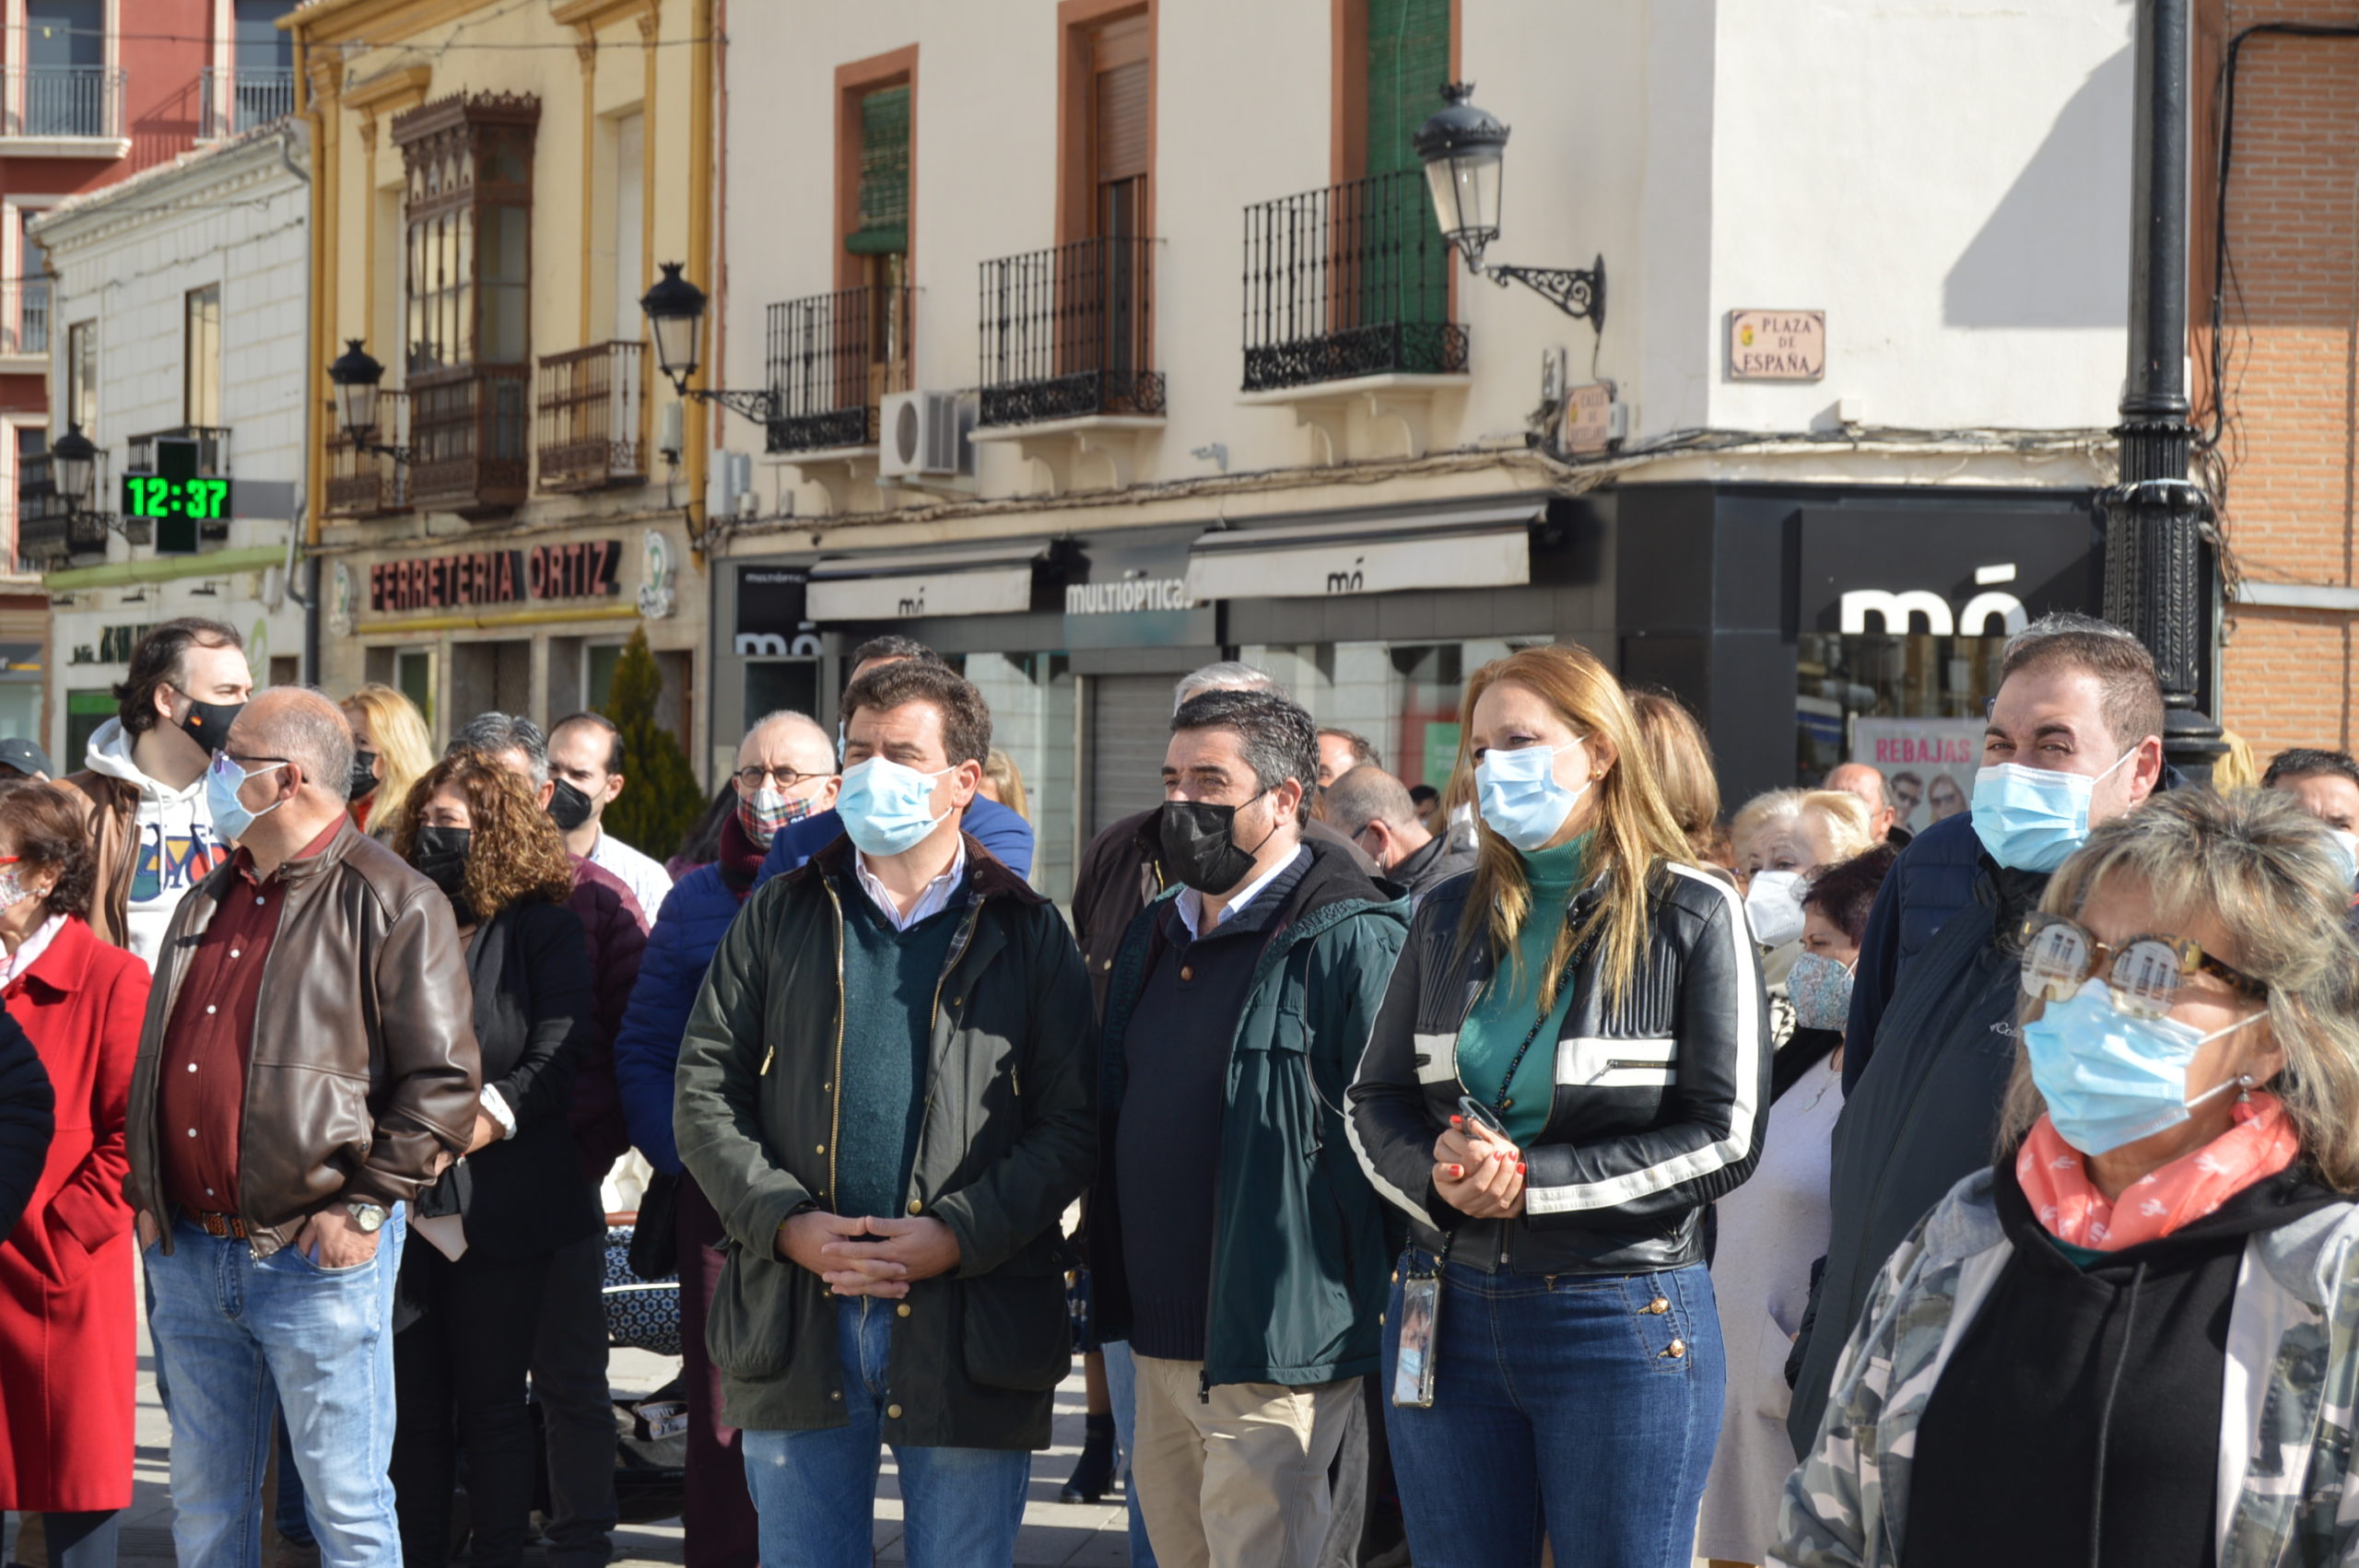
(67, 1352)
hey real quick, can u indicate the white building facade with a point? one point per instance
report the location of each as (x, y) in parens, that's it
(181, 311)
(1209, 383)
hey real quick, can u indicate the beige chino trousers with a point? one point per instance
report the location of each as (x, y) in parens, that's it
(1240, 1482)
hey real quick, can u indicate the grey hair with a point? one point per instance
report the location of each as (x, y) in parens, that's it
(494, 733)
(791, 718)
(1226, 675)
(1365, 794)
(304, 725)
(2270, 873)
(1279, 740)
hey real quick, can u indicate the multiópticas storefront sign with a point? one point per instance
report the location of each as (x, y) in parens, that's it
(584, 569)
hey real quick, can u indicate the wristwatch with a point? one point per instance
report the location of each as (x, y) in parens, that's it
(367, 1216)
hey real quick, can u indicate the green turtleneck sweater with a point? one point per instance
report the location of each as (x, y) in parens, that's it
(1502, 1016)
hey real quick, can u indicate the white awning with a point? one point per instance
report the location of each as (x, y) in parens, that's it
(1482, 543)
(983, 581)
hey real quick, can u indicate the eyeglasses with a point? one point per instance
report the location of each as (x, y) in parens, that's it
(754, 778)
(2145, 973)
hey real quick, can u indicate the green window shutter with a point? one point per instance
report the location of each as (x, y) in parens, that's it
(883, 217)
(1408, 60)
(1404, 279)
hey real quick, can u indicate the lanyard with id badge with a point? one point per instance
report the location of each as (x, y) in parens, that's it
(1413, 1372)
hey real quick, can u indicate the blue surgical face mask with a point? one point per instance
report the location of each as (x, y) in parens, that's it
(1521, 797)
(888, 808)
(2110, 1079)
(1820, 989)
(222, 777)
(2031, 819)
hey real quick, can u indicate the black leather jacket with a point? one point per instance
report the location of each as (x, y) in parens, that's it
(1660, 1100)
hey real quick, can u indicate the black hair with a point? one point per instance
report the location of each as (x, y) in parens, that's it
(1277, 737)
(613, 735)
(2308, 762)
(893, 645)
(966, 717)
(156, 661)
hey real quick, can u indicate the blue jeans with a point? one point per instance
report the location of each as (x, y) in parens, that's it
(1560, 1406)
(236, 1334)
(815, 1491)
(1122, 1393)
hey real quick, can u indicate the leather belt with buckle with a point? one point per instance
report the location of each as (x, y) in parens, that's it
(228, 1226)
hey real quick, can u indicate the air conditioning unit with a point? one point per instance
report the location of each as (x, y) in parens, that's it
(920, 433)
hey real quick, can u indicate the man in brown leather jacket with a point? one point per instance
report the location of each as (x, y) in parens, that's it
(273, 1142)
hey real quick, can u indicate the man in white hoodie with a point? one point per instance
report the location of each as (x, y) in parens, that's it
(143, 775)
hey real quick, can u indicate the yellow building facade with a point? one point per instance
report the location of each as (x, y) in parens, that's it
(496, 183)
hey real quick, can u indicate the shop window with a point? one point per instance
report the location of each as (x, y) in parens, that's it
(85, 711)
(1031, 697)
(1912, 706)
(780, 685)
(414, 678)
(1403, 696)
(598, 674)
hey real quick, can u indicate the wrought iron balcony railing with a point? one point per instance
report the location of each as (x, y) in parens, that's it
(1069, 331)
(1350, 280)
(244, 99)
(62, 101)
(471, 439)
(365, 484)
(593, 417)
(828, 360)
(24, 316)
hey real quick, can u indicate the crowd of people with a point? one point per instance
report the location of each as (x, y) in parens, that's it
(1553, 1165)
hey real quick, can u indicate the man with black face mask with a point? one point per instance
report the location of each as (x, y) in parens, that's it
(1233, 1241)
(144, 776)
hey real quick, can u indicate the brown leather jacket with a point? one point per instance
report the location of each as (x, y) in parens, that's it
(362, 1075)
(113, 810)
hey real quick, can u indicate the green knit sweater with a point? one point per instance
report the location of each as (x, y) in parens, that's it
(1503, 1015)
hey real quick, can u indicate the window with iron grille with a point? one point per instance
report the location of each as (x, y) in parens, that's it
(882, 225)
(467, 206)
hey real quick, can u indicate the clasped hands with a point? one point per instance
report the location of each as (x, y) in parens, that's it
(1477, 1172)
(859, 1255)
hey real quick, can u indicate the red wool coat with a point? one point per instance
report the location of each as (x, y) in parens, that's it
(68, 1348)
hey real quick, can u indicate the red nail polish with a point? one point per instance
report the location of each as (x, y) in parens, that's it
(1458, 1121)
(1518, 1167)
(1456, 1173)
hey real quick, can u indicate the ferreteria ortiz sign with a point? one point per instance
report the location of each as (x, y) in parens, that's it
(584, 569)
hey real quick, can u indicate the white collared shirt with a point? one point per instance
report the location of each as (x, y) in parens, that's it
(932, 901)
(29, 951)
(1191, 903)
(646, 877)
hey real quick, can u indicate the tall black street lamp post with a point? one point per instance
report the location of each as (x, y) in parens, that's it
(2157, 583)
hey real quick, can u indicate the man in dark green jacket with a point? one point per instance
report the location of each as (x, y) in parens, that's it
(886, 1090)
(1234, 1240)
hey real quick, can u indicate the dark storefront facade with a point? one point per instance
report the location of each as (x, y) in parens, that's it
(1802, 623)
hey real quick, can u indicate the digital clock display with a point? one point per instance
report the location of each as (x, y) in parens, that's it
(156, 496)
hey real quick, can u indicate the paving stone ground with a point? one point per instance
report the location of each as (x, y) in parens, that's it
(1053, 1533)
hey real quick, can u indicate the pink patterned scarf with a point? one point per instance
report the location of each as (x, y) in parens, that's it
(2055, 1177)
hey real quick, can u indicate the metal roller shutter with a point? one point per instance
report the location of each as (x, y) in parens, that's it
(1130, 729)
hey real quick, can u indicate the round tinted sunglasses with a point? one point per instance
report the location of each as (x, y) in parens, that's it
(2145, 973)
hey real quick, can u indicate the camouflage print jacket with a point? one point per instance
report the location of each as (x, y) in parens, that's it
(2284, 1491)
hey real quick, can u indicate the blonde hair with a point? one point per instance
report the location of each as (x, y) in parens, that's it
(397, 735)
(1001, 769)
(1682, 759)
(2238, 768)
(1633, 830)
(1849, 828)
(2268, 873)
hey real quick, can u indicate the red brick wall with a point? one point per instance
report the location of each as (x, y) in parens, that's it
(2291, 453)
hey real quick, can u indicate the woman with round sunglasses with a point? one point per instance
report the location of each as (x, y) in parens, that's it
(2135, 1338)
(1572, 1060)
